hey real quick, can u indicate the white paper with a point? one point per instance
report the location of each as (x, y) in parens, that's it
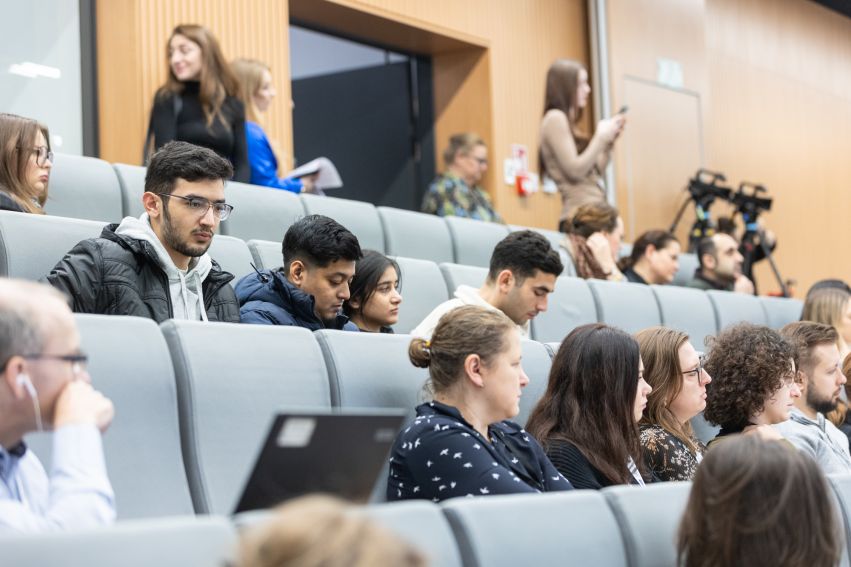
(328, 177)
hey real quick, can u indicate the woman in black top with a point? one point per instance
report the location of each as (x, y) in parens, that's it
(461, 443)
(198, 102)
(374, 299)
(654, 259)
(25, 164)
(588, 418)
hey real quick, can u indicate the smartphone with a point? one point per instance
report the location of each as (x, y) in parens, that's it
(623, 109)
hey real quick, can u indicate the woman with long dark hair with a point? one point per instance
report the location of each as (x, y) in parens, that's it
(374, 297)
(587, 420)
(25, 163)
(198, 102)
(654, 259)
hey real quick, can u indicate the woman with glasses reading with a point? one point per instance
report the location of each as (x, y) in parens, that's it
(675, 371)
(25, 164)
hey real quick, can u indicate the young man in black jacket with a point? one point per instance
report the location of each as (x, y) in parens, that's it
(157, 266)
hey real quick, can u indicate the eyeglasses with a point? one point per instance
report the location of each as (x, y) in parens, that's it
(42, 154)
(201, 205)
(79, 361)
(698, 372)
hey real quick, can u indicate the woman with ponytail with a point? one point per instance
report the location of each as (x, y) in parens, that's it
(461, 443)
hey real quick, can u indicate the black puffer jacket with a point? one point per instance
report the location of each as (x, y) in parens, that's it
(119, 275)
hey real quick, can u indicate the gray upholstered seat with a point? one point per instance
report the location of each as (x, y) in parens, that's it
(731, 308)
(473, 241)
(416, 235)
(130, 363)
(422, 524)
(688, 265)
(422, 290)
(555, 237)
(84, 188)
(628, 306)
(260, 212)
(359, 217)
(232, 254)
(132, 180)
(267, 255)
(231, 380)
(567, 262)
(841, 488)
(166, 542)
(704, 430)
(563, 528)
(649, 518)
(31, 245)
(780, 311)
(570, 305)
(688, 310)
(458, 274)
(536, 364)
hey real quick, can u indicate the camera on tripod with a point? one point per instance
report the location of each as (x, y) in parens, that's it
(750, 205)
(704, 187)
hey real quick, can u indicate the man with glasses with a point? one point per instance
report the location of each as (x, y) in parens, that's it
(820, 371)
(157, 266)
(44, 386)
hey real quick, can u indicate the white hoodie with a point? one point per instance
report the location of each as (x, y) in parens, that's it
(187, 297)
(464, 295)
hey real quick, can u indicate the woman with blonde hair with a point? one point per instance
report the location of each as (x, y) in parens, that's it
(675, 371)
(831, 306)
(25, 164)
(197, 103)
(322, 531)
(574, 162)
(462, 443)
(593, 241)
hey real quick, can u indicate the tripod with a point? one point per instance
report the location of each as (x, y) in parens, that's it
(753, 240)
(703, 193)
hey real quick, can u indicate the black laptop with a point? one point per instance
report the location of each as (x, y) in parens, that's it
(340, 452)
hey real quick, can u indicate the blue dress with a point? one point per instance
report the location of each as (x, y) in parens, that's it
(264, 164)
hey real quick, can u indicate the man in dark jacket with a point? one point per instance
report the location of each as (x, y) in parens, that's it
(157, 266)
(309, 291)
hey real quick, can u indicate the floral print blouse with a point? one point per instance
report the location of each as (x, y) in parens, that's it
(667, 456)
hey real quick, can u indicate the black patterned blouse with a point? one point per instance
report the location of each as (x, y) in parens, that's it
(667, 457)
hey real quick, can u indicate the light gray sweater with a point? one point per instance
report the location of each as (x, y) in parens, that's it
(817, 439)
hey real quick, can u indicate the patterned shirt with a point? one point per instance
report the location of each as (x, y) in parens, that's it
(441, 456)
(449, 195)
(667, 456)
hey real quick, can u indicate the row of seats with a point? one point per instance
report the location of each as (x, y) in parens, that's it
(620, 526)
(30, 245)
(92, 189)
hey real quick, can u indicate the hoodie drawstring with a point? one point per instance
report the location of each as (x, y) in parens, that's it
(200, 293)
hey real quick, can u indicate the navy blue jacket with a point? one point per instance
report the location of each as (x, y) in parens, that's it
(268, 298)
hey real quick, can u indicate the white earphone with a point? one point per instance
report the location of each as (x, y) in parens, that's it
(24, 381)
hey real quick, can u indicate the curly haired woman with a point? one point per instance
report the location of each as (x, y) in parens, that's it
(753, 381)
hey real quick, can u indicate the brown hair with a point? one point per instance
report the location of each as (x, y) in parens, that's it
(756, 502)
(249, 75)
(846, 370)
(825, 305)
(17, 136)
(217, 80)
(659, 347)
(321, 531)
(658, 239)
(590, 400)
(593, 217)
(461, 144)
(562, 83)
(806, 335)
(465, 330)
(748, 363)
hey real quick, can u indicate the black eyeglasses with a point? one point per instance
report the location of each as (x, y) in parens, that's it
(79, 361)
(698, 372)
(201, 205)
(42, 154)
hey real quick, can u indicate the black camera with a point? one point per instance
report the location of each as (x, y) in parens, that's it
(750, 205)
(704, 187)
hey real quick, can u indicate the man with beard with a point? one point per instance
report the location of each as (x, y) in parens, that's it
(820, 372)
(157, 266)
(720, 265)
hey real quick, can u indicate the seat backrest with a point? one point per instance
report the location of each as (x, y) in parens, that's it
(423, 289)
(687, 309)
(688, 264)
(231, 380)
(628, 306)
(132, 181)
(267, 254)
(841, 489)
(570, 305)
(423, 525)
(536, 364)
(704, 430)
(561, 528)
(166, 542)
(360, 218)
(457, 274)
(555, 237)
(731, 308)
(649, 518)
(416, 235)
(130, 363)
(31, 245)
(567, 262)
(781, 311)
(84, 188)
(473, 241)
(232, 254)
(260, 212)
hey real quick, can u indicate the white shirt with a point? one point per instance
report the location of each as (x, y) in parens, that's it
(464, 295)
